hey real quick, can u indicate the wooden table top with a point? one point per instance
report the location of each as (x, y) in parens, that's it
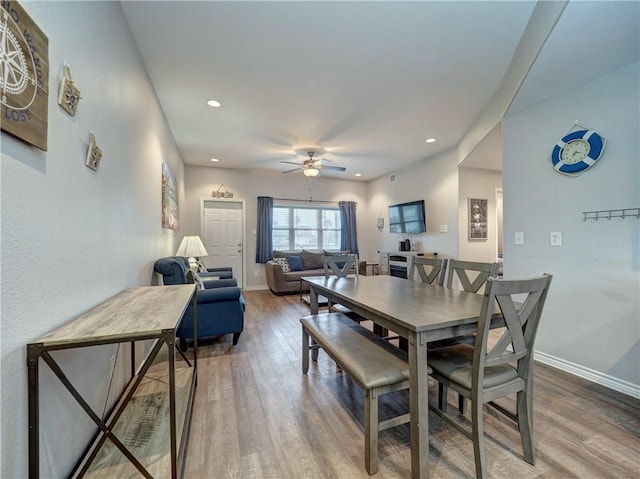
(413, 305)
(135, 312)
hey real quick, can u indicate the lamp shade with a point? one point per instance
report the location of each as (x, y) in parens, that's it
(311, 171)
(191, 247)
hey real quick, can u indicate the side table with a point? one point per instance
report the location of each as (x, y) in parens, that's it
(374, 268)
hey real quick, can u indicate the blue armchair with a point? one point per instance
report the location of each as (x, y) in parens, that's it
(173, 273)
(221, 305)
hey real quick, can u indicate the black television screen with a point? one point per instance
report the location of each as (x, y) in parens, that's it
(407, 217)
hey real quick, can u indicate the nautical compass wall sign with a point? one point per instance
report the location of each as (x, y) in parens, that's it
(24, 76)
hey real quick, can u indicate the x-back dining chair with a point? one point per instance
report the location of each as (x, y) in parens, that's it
(461, 269)
(472, 275)
(430, 270)
(483, 374)
(341, 266)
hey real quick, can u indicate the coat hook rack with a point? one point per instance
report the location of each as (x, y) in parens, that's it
(609, 214)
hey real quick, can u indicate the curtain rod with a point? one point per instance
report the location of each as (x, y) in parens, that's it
(307, 201)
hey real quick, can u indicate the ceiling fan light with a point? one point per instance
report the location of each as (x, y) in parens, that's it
(311, 172)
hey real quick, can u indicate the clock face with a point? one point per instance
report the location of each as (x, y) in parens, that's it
(575, 151)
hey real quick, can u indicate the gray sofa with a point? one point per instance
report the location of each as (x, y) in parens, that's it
(281, 282)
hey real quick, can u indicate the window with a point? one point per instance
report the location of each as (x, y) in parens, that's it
(306, 227)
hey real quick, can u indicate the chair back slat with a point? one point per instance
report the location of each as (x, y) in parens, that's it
(461, 269)
(521, 323)
(340, 265)
(430, 270)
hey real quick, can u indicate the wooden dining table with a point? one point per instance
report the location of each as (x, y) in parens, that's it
(419, 312)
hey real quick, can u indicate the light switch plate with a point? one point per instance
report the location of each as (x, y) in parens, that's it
(518, 237)
(555, 238)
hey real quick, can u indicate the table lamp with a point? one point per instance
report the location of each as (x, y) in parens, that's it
(192, 248)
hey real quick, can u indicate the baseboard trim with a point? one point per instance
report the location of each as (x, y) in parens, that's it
(597, 377)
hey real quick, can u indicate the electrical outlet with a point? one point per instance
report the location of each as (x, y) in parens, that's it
(518, 237)
(555, 238)
(256, 273)
(444, 228)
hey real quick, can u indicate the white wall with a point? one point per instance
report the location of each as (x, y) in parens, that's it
(73, 237)
(592, 320)
(247, 185)
(435, 180)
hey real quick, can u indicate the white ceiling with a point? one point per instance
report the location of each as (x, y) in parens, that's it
(367, 81)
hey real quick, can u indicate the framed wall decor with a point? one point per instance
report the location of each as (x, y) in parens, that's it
(69, 95)
(94, 153)
(170, 216)
(478, 219)
(24, 78)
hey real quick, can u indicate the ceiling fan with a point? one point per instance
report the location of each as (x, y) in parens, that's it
(312, 167)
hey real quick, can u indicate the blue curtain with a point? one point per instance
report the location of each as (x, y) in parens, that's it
(349, 239)
(264, 243)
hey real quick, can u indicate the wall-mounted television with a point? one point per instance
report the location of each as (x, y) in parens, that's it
(407, 217)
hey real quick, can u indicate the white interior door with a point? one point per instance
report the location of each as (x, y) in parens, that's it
(223, 235)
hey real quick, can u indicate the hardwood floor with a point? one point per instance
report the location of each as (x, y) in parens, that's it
(257, 416)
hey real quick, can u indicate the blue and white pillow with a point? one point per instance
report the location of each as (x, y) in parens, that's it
(284, 263)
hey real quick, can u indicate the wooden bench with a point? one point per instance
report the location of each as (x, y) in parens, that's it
(376, 366)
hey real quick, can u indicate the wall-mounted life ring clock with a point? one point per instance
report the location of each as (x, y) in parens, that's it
(577, 151)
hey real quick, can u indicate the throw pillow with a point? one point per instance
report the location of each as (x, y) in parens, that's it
(286, 253)
(337, 252)
(295, 263)
(284, 263)
(311, 259)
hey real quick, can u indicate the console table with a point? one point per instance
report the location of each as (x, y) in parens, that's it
(387, 259)
(156, 402)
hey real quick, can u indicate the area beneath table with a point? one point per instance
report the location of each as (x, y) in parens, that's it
(306, 298)
(144, 428)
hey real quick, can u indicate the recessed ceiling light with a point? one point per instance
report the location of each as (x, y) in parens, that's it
(215, 160)
(214, 103)
(358, 174)
(431, 140)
